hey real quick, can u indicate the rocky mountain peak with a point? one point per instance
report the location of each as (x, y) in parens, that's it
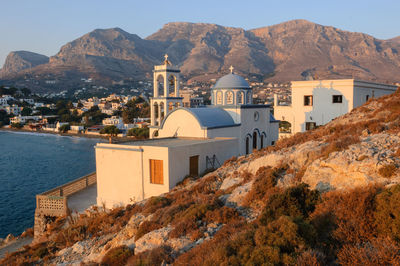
(20, 60)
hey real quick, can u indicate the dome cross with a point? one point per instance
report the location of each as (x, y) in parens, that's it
(231, 69)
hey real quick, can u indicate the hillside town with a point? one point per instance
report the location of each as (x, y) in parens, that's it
(73, 112)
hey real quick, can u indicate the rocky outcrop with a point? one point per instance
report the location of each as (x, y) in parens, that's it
(21, 60)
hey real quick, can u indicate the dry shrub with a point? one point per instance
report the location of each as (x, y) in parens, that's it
(387, 214)
(339, 145)
(387, 170)
(156, 256)
(223, 215)
(346, 217)
(117, 256)
(230, 161)
(146, 227)
(311, 258)
(155, 203)
(206, 185)
(265, 180)
(377, 251)
(187, 221)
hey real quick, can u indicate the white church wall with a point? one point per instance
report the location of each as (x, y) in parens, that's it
(223, 149)
(250, 124)
(181, 123)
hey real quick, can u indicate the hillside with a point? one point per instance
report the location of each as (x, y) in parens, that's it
(327, 196)
(292, 50)
(21, 60)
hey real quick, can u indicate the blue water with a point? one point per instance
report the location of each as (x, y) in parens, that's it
(33, 163)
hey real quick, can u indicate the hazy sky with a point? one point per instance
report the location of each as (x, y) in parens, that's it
(43, 26)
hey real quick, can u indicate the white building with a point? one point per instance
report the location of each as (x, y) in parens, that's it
(114, 121)
(185, 141)
(317, 102)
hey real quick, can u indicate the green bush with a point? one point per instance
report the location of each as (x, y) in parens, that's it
(16, 125)
(64, 128)
(117, 256)
(140, 133)
(298, 201)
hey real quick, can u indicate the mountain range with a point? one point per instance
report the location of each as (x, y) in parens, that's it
(292, 50)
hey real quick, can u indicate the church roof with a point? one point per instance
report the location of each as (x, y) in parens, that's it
(212, 117)
(231, 81)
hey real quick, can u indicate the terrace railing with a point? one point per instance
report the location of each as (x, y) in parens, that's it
(55, 201)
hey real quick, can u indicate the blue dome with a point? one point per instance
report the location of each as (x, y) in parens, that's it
(231, 81)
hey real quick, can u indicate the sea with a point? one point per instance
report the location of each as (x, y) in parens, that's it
(31, 163)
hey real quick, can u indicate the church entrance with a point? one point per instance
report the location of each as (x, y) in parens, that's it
(194, 165)
(254, 140)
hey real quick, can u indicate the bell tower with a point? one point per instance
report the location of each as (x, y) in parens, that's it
(165, 98)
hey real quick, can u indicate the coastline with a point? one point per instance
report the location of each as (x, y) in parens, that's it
(79, 135)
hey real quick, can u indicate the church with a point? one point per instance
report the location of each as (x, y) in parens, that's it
(183, 141)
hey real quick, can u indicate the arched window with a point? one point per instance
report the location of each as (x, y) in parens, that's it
(247, 145)
(229, 97)
(219, 97)
(254, 140)
(249, 98)
(240, 97)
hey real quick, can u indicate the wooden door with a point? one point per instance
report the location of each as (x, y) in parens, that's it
(194, 165)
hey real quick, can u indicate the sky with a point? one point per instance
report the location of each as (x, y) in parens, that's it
(43, 26)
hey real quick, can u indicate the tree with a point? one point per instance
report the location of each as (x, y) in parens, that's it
(26, 111)
(4, 118)
(25, 91)
(139, 133)
(110, 131)
(16, 125)
(64, 128)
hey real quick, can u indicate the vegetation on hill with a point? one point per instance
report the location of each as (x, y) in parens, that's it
(252, 215)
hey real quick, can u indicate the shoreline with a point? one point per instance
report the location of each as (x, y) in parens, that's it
(115, 139)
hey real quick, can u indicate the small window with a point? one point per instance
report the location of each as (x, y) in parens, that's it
(229, 97)
(156, 172)
(219, 97)
(337, 99)
(366, 98)
(310, 125)
(308, 100)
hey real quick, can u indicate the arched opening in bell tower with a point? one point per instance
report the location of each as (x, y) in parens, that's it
(172, 85)
(160, 85)
(156, 114)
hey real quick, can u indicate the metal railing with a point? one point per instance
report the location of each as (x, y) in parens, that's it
(54, 202)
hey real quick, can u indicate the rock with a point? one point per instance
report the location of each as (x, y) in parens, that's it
(358, 165)
(365, 132)
(152, 240)
(9, 238)
(230, 182)
(236, 197)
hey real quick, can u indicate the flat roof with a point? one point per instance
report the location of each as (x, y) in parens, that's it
(165, 142)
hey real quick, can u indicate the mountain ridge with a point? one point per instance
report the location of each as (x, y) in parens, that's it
(292, 50)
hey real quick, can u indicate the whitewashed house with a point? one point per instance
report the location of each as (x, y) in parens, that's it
(185, 141)
(317, 102)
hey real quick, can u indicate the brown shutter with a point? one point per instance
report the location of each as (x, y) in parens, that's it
(156, 172)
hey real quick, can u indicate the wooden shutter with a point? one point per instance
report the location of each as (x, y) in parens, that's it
(156, 172)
